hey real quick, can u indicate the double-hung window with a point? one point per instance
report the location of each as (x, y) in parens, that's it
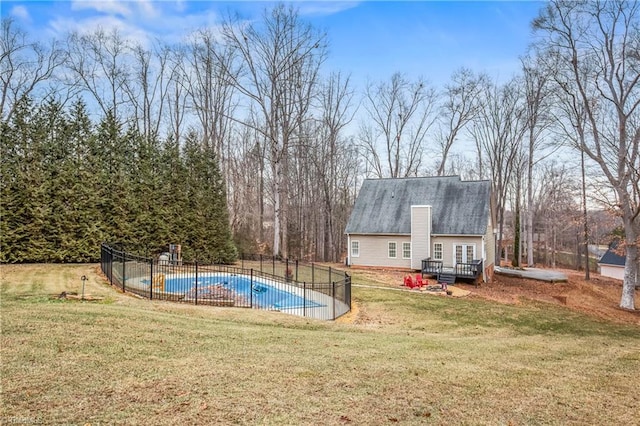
(406, 250)
(437, 251)
(355, 248)
(393, 249)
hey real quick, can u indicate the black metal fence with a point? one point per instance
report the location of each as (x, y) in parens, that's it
(257, 282)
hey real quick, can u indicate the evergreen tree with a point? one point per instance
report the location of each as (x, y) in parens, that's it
(67, 186)
(56, 193)
(173, 197)
(83, 215)
(209, 235)
(22, 203)
(110, 190)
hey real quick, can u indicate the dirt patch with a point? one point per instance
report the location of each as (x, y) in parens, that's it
(75, 296)
(599, 297)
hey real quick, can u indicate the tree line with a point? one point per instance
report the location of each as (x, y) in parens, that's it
(69, 184)
(254, 98)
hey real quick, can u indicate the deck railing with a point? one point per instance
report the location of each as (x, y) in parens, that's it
(431, 267)
(467, 270)
(471, 269)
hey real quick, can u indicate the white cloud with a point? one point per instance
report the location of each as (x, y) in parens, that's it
(146, 8)
(61, 26)
(21, 13)
(324, 8)
(111, 7)
(143, 23)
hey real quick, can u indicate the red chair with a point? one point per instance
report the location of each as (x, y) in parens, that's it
(408, 282)
(419, 282)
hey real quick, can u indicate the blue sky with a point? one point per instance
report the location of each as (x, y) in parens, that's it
(369, 39)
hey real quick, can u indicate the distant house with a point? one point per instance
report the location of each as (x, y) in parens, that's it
(611, 264)
(401, 223)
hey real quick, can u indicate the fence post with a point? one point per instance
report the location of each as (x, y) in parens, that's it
(304, 299)
(313, 274)
(347, 295)
(333, 299)
(124, 273)
(296, 270)
(330, 276)
(260, 263)
(273, 265)
(110, 266)
(196, 282)
(251, 285)
(287, 277)
(151, 282)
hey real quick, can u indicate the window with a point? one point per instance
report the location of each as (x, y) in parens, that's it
(392, 249)
(464, 253)
(355, 248)
(458, 254)
(437, 251)
(406, 250)
(470, 253)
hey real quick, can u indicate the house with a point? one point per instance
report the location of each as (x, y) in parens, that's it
(423, 223)
(611, 264)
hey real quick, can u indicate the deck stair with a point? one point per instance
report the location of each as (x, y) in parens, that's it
(447, 278)
(465, 271)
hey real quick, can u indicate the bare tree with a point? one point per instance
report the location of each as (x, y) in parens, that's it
(538, 119)
(555, 207)
(498, 132)
(209, 73)
(401, 113)
(246, 196)
(147, 89)
(336, 98)
(176, 94)
(279, 58)
(24, 65)
(459, 108)
(516, 185)
(592, 47)
(99, 65)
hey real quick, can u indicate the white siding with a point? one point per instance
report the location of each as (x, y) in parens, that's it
(420, 235)
(448, 242)
(616, 272)
(374, 251)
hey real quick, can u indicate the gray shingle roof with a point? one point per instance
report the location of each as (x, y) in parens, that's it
(611, 257)
(459, 207)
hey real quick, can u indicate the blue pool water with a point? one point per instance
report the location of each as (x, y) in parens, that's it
(259, 294)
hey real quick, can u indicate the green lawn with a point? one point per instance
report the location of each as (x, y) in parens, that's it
(407, 358)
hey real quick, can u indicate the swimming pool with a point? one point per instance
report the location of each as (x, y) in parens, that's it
(243, 289)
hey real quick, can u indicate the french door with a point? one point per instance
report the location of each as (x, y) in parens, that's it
(464, 253)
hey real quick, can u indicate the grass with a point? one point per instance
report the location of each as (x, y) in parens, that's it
(406, 358)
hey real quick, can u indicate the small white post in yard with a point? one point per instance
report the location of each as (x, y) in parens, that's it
(83, 278)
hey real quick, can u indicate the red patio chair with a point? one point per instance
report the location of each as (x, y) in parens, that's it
(419, 282)
(408, 282)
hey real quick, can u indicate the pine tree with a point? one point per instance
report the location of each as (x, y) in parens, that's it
(209, 234)
(173, 197)
(56, 194)
(110, 192)
(22, 214)
(83, 215)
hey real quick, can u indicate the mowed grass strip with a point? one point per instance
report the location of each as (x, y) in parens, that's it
(406, 358)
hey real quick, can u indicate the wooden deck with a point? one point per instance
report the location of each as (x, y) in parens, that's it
(464, 271)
